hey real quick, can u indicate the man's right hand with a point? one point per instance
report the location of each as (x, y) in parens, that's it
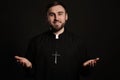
(25, 62)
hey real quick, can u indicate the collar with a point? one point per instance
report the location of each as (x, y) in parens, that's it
(60, 36)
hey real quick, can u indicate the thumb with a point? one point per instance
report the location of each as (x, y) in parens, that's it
(97, 59)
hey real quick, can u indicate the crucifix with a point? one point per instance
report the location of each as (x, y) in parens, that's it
(56, 55)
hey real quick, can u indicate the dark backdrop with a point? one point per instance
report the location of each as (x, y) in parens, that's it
(96, 20)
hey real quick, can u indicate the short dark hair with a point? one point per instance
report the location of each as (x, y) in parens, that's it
(54, 3)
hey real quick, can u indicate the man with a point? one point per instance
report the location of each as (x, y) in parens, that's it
(57, 54)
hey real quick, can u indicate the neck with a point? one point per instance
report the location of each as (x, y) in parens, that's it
(59, 32)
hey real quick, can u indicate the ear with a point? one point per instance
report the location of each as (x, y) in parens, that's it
(66, 16)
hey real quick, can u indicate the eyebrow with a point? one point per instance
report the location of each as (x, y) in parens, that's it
(60, 12)
(57, 12)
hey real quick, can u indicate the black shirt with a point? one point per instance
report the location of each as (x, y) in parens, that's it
(66, 65)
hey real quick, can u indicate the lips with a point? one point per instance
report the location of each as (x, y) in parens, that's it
(57, 21)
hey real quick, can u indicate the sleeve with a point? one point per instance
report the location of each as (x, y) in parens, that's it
(84, 71)
(30, 55)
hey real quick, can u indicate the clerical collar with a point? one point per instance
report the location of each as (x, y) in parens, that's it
(56, 36)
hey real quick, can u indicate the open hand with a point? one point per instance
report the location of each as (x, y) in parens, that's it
(90, 62)
(25, 62)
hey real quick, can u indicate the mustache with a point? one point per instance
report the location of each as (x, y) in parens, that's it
(57, 21)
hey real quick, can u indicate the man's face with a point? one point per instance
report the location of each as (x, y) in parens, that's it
(57, 17)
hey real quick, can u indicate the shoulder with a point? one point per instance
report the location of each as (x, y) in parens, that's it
(77, 38)
(39, 37)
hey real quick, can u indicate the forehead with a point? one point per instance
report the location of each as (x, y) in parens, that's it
(56, 8)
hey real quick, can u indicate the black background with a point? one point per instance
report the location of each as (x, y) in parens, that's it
(96, 20)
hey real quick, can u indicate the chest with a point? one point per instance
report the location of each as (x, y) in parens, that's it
(63, 50)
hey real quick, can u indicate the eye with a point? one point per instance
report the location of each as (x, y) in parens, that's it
(51, 14)
(60, 13)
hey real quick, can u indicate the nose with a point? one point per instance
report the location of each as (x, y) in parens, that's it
(56, 17)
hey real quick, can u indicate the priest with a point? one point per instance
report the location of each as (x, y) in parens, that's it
(57, 54)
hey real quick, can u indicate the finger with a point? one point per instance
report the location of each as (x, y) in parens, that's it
(90, 64)
(17, 57)
(85, 63)
(23, 63)
(93, 63)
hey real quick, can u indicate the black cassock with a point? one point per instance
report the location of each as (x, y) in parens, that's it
(57, 59)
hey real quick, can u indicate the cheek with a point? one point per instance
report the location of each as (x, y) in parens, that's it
(63, 20)
(49, 20)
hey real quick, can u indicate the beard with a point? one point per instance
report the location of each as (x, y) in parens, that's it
(56, 28)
